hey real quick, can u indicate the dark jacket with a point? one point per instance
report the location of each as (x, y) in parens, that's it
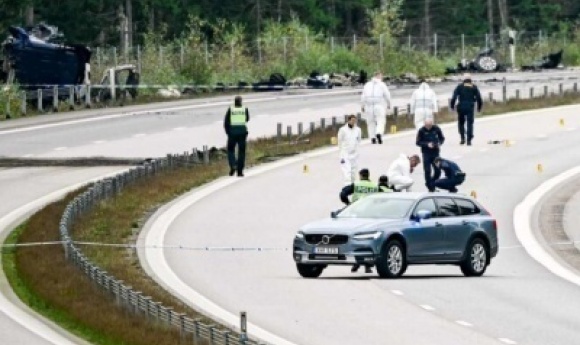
(234, 130)
(426, 136)
(449, 168)
(467, 94)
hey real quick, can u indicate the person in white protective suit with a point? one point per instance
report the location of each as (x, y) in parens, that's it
(374, 97)
(349, 137)
(424, 105)
(400, 171)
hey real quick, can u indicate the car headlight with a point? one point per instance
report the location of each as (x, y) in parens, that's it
(300, 235)
(367, 235)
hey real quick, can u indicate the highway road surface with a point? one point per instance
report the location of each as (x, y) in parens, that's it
(155, 130)
(518, 301)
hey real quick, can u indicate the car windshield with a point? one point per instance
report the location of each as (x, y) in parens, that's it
(370, 207)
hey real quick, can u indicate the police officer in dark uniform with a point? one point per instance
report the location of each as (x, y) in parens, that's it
(453, 175)
(468, 95)
(429, 139)
(235, 125)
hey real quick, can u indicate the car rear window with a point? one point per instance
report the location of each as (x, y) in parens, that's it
(447, 207)
(467, 207)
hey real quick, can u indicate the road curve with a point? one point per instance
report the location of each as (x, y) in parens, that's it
(518, 301)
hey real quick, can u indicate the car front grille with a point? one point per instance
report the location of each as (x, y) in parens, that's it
(321, 239)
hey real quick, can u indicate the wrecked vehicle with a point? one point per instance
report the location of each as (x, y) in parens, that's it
(550, 61)
(276, 82)
(38, 60)
(485, 61)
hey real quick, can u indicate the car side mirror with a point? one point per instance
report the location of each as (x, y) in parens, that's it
(423, 215)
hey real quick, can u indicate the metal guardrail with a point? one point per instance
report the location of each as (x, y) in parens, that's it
(191, 329)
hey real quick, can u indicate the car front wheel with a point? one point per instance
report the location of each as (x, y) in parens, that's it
(310, 271)
(392, 262)
(476, 261)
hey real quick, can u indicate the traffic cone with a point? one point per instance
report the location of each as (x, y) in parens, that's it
(305, 169)
(562, 123)
(473, 194)
(540, 168)
(393, 129)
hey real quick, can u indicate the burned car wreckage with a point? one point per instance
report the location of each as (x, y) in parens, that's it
(37, 58)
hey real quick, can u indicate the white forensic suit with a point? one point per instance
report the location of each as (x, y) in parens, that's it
(424, 105)
(399, 173)
(348, 141)
(374, 97)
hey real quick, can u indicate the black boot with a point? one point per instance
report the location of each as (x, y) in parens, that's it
(232, 172)
(373, 140)
(462, 142)
(380, 139)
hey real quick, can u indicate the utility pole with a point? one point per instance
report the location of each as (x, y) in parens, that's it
(29, 15)
(490, 18)
(427, 24)
(503, 13)
(129, 10)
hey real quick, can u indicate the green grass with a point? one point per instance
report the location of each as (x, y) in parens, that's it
(55, 288)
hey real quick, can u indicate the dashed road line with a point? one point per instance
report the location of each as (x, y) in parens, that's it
(98, 142)
(464, 323)
(139, 135)
(60, 148)
(507, 341)
(397, 292)
(427, 307)
(178, 128)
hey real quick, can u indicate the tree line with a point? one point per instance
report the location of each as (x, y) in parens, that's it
(114, 22)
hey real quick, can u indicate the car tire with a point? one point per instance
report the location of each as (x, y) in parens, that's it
(486, 63)
(310, 271)
(476, 260)
(392, 262)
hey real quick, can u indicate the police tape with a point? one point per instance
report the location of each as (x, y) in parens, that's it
(136, 246)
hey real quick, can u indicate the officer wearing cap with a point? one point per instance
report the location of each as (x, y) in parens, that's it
(235, 126)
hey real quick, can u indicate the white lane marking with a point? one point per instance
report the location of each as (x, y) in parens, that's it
(523, 226)
(507, 341)
(170, 109)
(138, 135)
(464, 323)
(485, 149)
(62, 148)
(155, 262)
(98, 142)
(427, 307)
(32, 323)
(28, 155)
(178, 128)
(397, 292)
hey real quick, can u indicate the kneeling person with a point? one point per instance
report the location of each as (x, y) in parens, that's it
(453, 175)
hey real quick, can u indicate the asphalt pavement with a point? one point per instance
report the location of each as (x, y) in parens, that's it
(517, 302)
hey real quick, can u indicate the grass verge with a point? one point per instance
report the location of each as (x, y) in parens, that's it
(44, 280)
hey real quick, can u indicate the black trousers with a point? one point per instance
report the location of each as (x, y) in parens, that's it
(238, 140)
(428, 158)
(465, 116)
(449, 183)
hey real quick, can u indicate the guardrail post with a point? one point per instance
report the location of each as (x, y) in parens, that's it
(312, 127)
(300, 129)
(39, 100)
(55, 98)
(575, 87)
(88, 96)
(396, 112)
(8, 107)
(561, 89)
(205, 154)
(491, 97)
(531, 93)
(334, 122)
(196, 332)
(211, 334)
(517, 94)
(181, 326)
(278, 132)
(289, 132)
(359, 117)
(546, 91)
(323, 123)
(504, 92)
(409, 110)
(71, 97)
(23, 104)
(243, 327)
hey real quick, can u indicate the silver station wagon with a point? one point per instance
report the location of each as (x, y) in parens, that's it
(394, 230)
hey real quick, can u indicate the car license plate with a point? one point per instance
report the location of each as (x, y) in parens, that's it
(326, 250)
